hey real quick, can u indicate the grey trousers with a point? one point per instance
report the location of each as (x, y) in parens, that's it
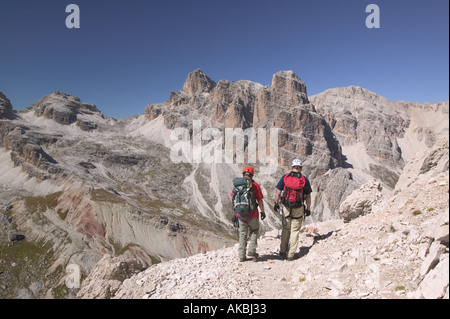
(248, 232)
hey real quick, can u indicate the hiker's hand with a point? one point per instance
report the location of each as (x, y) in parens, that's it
(276, 207)
(307, 212)
(263, 215)
(234, 219)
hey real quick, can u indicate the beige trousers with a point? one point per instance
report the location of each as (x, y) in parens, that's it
(291, 231)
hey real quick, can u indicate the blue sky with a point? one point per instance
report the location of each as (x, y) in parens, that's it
(127, 54)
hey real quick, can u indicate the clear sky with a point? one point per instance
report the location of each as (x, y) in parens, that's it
(127, 54)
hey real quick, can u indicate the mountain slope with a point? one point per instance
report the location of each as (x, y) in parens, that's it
(377, 138)
(400, 250)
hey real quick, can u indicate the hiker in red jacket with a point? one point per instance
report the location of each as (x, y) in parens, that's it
(249, 222)
(293, 199)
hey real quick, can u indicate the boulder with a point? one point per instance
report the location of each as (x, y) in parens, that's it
(107, 276)
(435, 283)
(361, 201)
(14, 236)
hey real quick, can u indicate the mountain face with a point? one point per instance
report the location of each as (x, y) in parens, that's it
(244, 104)
(6, 110)
(75, 184)
(66, 109)
(377, 137)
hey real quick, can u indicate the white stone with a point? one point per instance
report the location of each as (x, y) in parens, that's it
(435, 251)
(436, 282)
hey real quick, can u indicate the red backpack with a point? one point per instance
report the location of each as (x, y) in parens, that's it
(292, 196)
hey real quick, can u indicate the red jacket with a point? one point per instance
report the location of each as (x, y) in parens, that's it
(258, 196)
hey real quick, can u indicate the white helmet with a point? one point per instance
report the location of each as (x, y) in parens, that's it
(296, 162)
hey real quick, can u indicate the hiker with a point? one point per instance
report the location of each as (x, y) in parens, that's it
(247, 196)
(293, 200)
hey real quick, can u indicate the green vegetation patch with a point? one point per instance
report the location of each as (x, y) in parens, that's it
(102, 195)
(417, 212)
(41, 203)
(24, 263)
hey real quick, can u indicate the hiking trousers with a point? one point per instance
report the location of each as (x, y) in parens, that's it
(291, 231)
(248, 232)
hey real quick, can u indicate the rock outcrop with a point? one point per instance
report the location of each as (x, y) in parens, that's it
(360, 202)
(198, 82)
(6, 110)
(108, 274)
(64, 109)
(26, 150)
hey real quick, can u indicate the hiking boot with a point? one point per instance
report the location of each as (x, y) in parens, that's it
(242, 259)
(283, 255)
(254, 255)
(290, 259)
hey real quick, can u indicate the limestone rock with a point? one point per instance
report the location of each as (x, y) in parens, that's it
(26, 151)
(426, 164)
(198, 82)
(15, 236)
(62, 108)
(348, 112)
(6, 110)
(288, 82)
(379, 136)
(106, 277)
(435, 283)
(332, 188)
(361, 201)
(432, 258)
(245, 104)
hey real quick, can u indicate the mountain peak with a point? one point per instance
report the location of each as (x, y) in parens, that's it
(287, 74)
(288, 81)
(62, 107)
(197, 81)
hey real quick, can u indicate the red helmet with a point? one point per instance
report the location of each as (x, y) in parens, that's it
(249, 170)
